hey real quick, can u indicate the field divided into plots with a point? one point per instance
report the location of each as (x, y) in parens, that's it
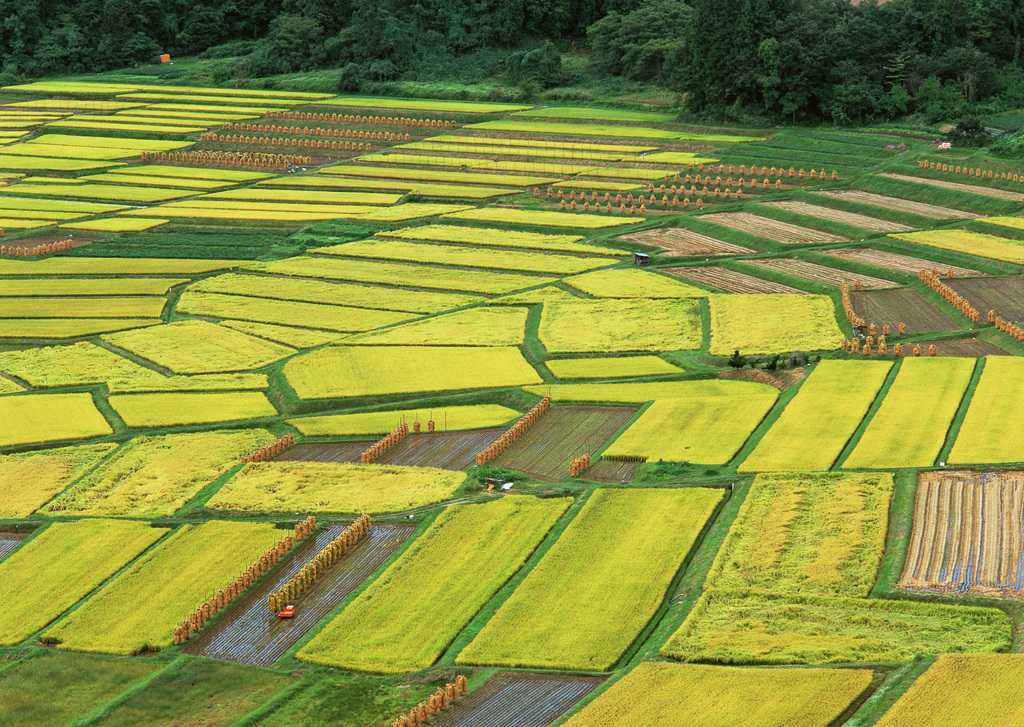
(968, 536)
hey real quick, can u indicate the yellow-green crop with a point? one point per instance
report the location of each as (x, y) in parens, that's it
(29, 479)
(622, 551)
(722, 696)
(826, 410)
(406, 618)
(993, 430)
(633, 283)
(970, 243)
(154, 476)
(339, 371)
(610, 367)
(636, 324)
(447, 418)
(910, 427)
(773, 323)
(542, 218)
(494, 326)
(62, 564)
(163, 587)
(160, 409)
(702, 430)
(333, 487)
(40, 418)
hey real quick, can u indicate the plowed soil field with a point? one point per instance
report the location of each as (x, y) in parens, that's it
(730, 281)
(683, 242)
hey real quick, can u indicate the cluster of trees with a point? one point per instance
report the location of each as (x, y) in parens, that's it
(792, 60)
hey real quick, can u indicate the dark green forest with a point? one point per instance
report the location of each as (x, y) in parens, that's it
(777, 60)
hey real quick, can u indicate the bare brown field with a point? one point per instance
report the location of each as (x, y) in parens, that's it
(1005, 295)
(518, 699)
(782, 232)
(448, 450)
(730, 281)
(685, 243)
(958, 186)
(563, 433)
(921, 209)
(324, 452)
(896, 262)
(823, 274)
(833, 215)
(968, 347)
(249, 634)
(610, 470)
(901, 305)
(967, 535)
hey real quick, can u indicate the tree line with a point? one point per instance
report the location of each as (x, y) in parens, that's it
(781, 60)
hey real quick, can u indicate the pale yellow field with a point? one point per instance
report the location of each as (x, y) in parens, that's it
(448, 418)
(341, 371)
(607, 367)
(174, 408)
(333, 487)
(40, 418)
(635, 324)
(154, 476)
(497, 326)
(758, 323)
(29, 479)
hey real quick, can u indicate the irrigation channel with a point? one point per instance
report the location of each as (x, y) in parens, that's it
(518, 699)
(8, 543)
(249, 634)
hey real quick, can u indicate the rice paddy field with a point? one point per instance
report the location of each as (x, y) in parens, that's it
(638, 409)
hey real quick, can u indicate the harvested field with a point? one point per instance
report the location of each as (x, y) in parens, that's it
(1005, 295)
(8, 543)
(770, 229)
(901, 305)
(968, 347)
(823, 274)
(958, 186)
(895, 262)
(250, 634)
(921, 209)
(833, 215)
(683, 242)
(730, 281)
(563, 433)
(518, 699)
(610, 470)
(967, 534)
(447, 450)
(326, 452)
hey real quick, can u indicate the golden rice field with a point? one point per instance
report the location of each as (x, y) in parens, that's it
(59, 328)
(448, 418)
(166, 584)
(621, 325)
(722, 696)
(406, 618)
(610, 367)
(773, 323)
(495, 326)
(285, 335)
(63, 287)
(467, 256)
(971, 243)
(161, 409)
(910, 427)
(60, 565)
(435, 175)
(152, 476)
(405, 369)
(196, 347)
(827, 410)
(807, 534)
(333, 487)
(334, 293)
(309, 315)
(401, 274)
(62, 308)
(993, 430)
(962, 689)
(621, 551)
(110, 266)
(44, 418)
(533, 218)
(699, 430)
(727, 627)
(29, 479)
